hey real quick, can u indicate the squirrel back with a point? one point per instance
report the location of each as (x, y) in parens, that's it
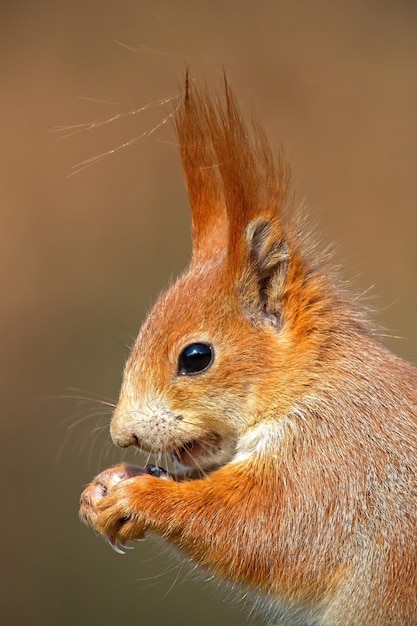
(258, 374)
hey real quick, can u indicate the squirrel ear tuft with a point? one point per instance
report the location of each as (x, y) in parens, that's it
(268, 261)
(237, 190)
(200, 165)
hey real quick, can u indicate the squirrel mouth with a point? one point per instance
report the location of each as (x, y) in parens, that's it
(199, 453)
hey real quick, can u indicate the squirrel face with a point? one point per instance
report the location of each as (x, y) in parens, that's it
(189, 386)
(249, 298)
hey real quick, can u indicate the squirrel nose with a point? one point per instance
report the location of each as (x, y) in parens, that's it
(122, 434)
(124, 441)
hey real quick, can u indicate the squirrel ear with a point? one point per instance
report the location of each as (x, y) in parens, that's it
(237, 190)
(268, 259)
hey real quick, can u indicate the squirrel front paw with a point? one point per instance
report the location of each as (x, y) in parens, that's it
(109, 504)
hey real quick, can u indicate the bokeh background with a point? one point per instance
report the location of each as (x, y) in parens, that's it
(85, 251)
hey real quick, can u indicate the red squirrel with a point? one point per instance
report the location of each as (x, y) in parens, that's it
(294, 428)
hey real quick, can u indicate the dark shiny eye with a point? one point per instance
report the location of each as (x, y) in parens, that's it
(195, 358)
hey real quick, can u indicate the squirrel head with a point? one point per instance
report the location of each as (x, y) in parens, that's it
(229, 346)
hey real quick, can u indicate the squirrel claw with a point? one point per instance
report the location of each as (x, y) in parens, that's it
(116, 545)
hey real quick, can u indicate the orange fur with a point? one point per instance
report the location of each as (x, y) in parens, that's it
(301, 436)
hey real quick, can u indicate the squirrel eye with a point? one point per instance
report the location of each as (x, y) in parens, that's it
(195, 358)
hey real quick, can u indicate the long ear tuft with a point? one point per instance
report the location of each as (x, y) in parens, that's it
(204, 185)
(237, 191)
(254, 182)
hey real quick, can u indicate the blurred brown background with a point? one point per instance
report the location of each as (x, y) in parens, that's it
(84, 256)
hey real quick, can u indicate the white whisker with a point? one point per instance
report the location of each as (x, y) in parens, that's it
(145, 50)
(174, 582)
